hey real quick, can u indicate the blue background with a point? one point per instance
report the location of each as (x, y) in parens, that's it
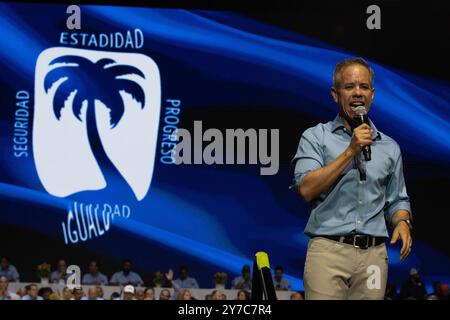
(230, 71)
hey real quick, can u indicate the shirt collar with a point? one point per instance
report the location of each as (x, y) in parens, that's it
(337, 124)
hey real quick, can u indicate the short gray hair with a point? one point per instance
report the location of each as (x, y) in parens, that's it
(348, 62)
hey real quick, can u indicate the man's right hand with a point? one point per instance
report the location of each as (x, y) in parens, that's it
(362, 136)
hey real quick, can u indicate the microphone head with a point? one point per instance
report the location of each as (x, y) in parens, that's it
(360, 110)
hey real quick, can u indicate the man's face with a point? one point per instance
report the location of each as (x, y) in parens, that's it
(183, 273)
(164, 295)
(67, 294)
(126, 267)
(4, 263)
(127, 296)
(246, 272)
(33, 292)
(140, 294)
(149, 295)
(278, 273)
(3, 283)
(92, 293)
(78, 294)
(62, 266)
(354, 89)
(93, 269)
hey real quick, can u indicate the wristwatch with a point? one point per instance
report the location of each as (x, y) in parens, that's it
(408, 222)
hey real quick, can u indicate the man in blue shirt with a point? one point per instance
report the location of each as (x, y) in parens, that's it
(126, 276)
(351, 199)
(94, 276)
(32, 293)
(8, 270)
(280, 282)
(184, 281)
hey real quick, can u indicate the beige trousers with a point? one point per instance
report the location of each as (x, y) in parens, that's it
(339, 271)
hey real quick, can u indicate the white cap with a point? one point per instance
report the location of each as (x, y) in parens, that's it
(128, 288)
(413, 271)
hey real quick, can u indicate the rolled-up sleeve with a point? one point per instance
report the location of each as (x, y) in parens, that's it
(309, 157)
(396, 195)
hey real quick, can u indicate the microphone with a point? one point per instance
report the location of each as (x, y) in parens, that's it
(361, 117)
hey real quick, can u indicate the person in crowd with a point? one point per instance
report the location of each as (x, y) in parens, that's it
(114, 296)
(139, 294)
(184, 281)
(243, 295)
(32, 293)
(413, 288)
(165, 294)
(8, 270)
(45, 293)
(67, 294)
(149, 293)
(296, 296)
(219, 295)
(280, 282)
(129, 293)
(100, 292)
(78, 293)
(244, 281)
(92, 294)
(5, 294)
(94, 276)
(391, 292)
(60, 275)
(185, 294)
(21, 292)
(126, 276)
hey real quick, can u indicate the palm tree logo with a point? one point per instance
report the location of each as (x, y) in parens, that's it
(89, 81)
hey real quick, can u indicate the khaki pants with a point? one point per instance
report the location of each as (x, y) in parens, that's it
(339, 271)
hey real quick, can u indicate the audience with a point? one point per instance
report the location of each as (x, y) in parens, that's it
(412, 289)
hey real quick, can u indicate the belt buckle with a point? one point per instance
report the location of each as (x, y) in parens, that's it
(360, 236)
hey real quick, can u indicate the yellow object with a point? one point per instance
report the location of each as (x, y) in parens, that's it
(262, 260)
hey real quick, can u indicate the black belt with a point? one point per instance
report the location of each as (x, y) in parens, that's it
(361, 241)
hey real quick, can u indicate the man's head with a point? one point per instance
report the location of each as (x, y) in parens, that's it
(126, 266)
(353, 85)
(23, 291)
(140, 295)
(3, 283)
(78, 293)
(218, 295)
(149, 294)
(128, 292)
(92, 293)
(4, 262)
(296, 296)
(278, 272)
(32, 290)
(62, 266)
(67, 294)
(100, 292)
(184, 272)
(164, 294)
(414, 273)
(246, 271)
(45, 293)
(93, 267)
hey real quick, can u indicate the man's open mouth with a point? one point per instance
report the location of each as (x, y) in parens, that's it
(356, 103)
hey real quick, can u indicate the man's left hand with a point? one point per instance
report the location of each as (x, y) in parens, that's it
(402, 232)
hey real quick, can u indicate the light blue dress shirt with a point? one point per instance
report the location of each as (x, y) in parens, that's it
(187, 283)
(122, 279)
(10, 273)
(99, 278)
(352, 205)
